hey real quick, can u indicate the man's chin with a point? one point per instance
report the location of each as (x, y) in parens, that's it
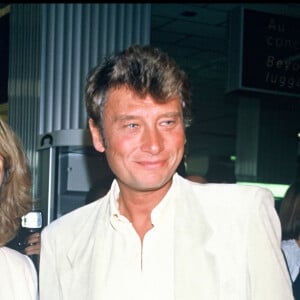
(154, 185)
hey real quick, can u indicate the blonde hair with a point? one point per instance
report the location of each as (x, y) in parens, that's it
(15, 189)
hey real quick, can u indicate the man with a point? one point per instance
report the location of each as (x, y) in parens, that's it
(156, 235)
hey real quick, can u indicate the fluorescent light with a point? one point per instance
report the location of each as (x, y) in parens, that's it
(278, 190)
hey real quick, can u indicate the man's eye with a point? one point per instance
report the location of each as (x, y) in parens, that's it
(168, 122)
(132, 125)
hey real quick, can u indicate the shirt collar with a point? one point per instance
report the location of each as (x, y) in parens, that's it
(156, 213)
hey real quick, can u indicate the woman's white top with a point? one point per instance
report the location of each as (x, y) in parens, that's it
(18, 276)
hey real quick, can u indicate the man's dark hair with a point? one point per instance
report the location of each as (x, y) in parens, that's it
(144, 70)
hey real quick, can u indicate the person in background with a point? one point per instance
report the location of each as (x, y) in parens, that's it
(289, 215)
(33, 244)
(155, 234)
(18, 275)
(196, 178)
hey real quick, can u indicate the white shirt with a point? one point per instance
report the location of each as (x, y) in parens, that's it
(292, 254)
(18, 276)
(148, 267)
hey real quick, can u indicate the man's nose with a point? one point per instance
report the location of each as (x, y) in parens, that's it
(152, 141)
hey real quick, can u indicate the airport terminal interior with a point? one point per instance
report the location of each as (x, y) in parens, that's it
(244, 68)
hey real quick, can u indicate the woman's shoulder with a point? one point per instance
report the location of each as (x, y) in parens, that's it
(18, 272)
(12, 257)
(9, 253)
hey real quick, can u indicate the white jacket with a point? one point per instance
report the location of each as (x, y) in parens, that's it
(227, 246)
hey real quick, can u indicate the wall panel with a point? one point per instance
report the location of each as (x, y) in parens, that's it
(52, 48)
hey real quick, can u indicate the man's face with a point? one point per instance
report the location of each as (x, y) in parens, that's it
(144, 139)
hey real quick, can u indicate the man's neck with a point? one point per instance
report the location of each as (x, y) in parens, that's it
(137, 208)
(138, 212)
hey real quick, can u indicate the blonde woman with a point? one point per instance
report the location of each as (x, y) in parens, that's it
(18, 275)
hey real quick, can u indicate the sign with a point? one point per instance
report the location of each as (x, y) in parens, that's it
(264, 53)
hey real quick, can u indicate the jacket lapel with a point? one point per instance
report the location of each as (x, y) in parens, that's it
(195, 265)
(205, 247)
(83, 259)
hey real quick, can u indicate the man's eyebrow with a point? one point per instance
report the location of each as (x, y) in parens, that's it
(125, 117)
(172, 114)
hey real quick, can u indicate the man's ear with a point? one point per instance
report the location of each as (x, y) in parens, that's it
(96, 136)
